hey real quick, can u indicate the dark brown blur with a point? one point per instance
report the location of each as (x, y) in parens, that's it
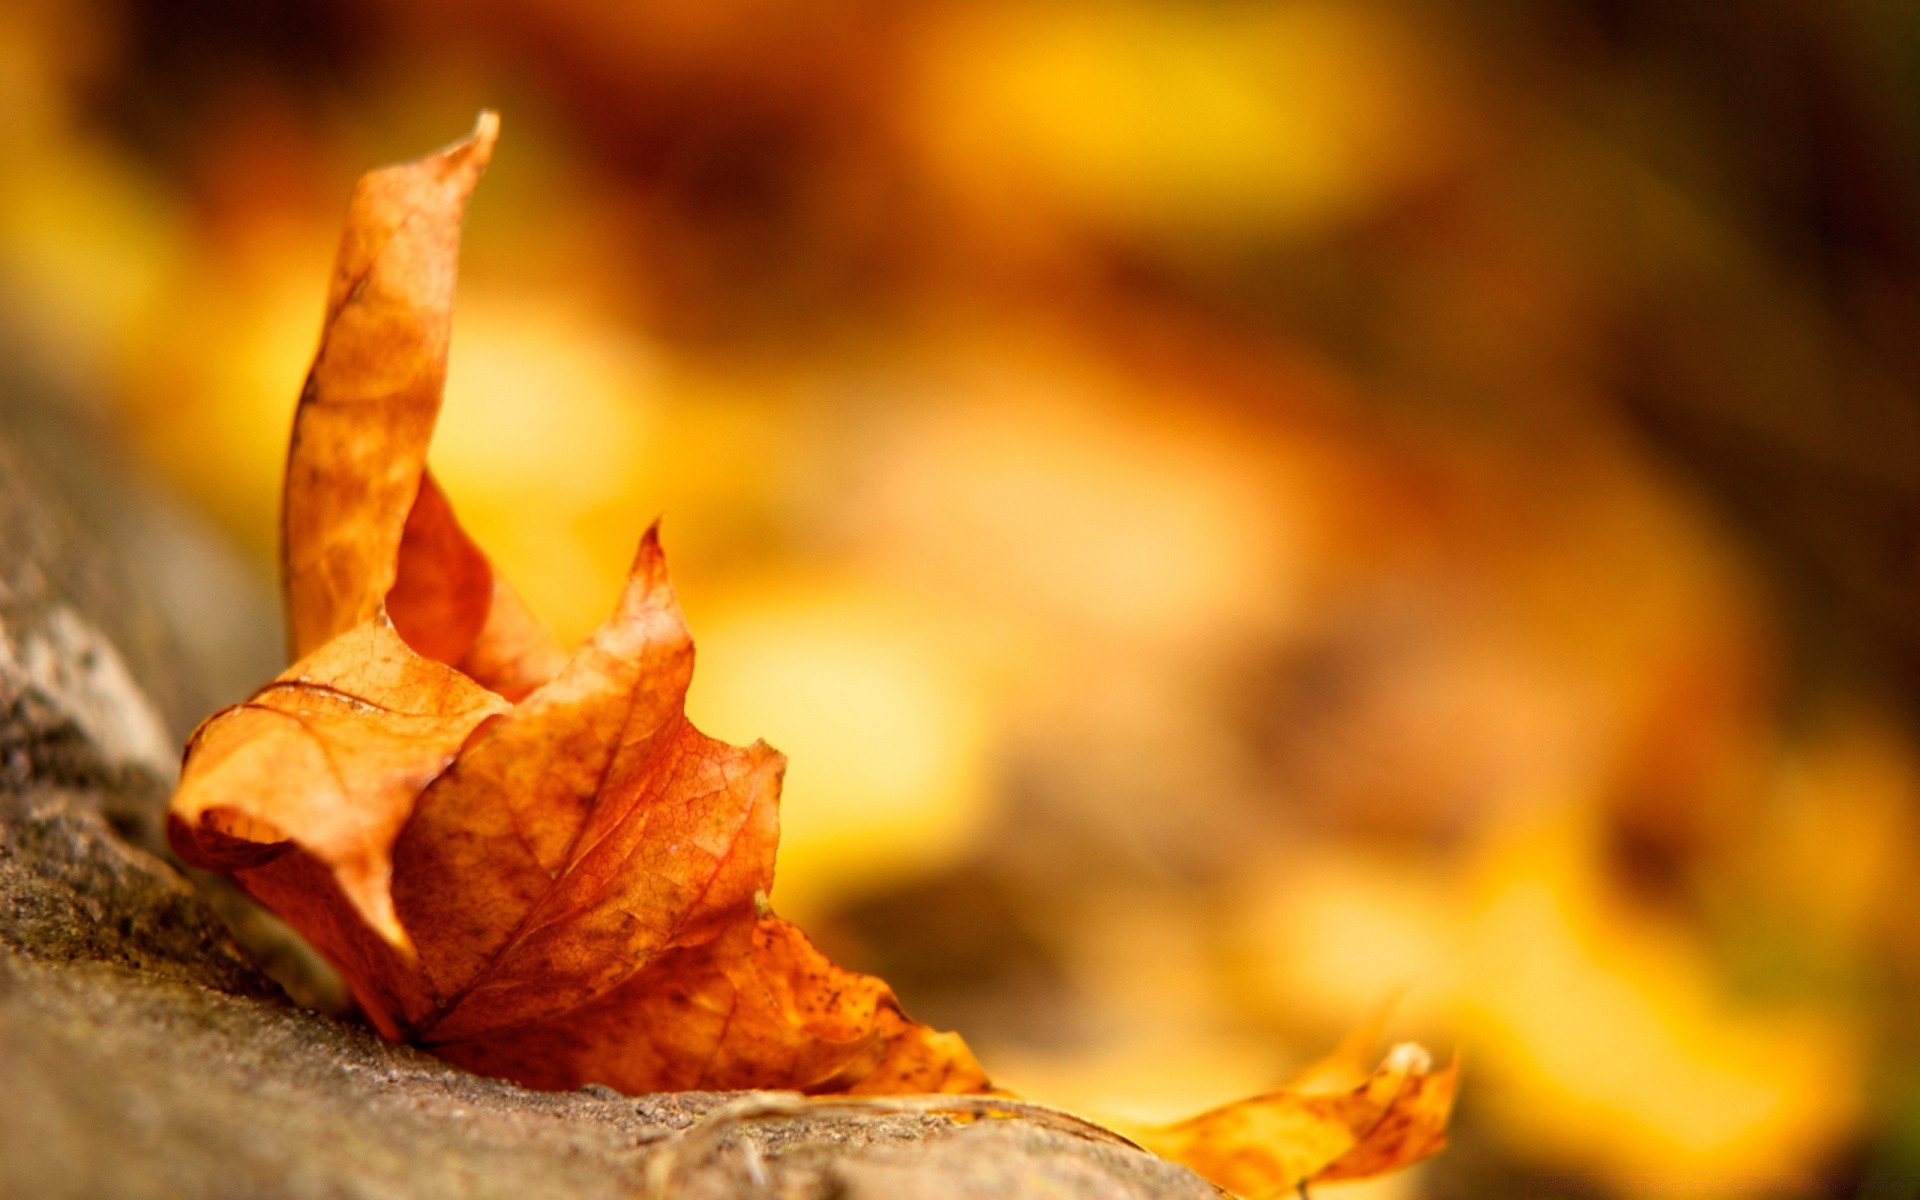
(1235, 511)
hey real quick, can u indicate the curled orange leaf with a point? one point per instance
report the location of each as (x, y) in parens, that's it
(527, 861)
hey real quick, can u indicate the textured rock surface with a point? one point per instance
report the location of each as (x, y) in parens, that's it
(143, 1054)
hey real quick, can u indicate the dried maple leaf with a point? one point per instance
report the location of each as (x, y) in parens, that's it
(528, 861)
(1272, 1144)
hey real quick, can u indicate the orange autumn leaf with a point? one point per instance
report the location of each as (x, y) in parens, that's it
(527, 860)
(1271, 1144)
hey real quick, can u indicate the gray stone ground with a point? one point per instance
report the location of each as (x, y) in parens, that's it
(143, 1053)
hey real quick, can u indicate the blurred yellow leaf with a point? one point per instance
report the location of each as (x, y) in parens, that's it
(1271, 1144)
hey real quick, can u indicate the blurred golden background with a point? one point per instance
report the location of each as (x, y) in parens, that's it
(1237, 511)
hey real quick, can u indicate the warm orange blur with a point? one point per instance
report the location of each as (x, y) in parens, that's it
(1235, 511)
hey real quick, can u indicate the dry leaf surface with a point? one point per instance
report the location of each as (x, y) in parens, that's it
(1261, 1146)
(527, 860)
